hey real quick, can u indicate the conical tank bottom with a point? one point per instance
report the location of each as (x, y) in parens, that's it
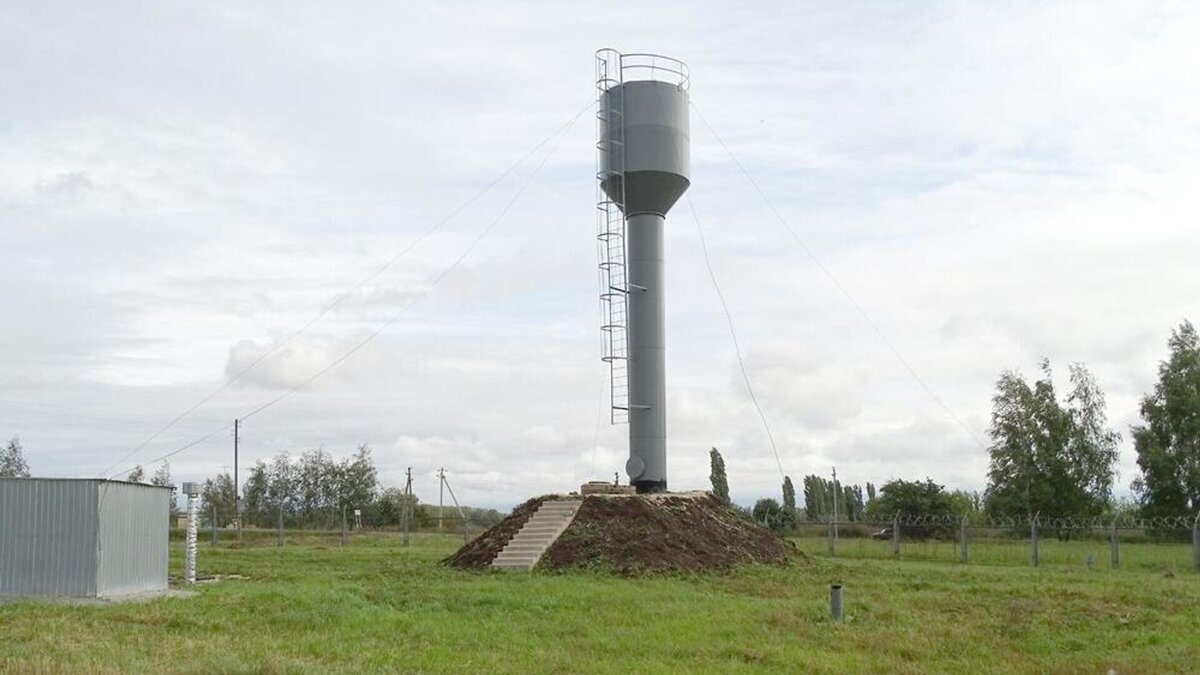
(648, 191)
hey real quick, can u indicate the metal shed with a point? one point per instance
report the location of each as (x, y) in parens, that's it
(82, 537)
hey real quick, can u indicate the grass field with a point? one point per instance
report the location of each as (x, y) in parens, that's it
(375, 606)
(1172, 556)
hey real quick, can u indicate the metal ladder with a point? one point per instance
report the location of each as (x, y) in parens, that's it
(610, 235)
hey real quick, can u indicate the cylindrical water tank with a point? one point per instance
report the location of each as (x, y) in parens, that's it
(644, 169)
(647, 134)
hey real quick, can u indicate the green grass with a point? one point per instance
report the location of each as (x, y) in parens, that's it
(1172, 556)
(375, 606)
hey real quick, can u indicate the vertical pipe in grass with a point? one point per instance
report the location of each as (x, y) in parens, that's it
(835, 602)
(192, 490)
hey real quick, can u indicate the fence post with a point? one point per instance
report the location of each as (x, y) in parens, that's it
(896, 535)
(1114, 544)
(1196, 541)
(279, 529)
(343, 526)
(214, 525)
(829, 535)
(1033, 538)
(962, 538)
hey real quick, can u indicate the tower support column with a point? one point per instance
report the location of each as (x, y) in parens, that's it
(647, 465)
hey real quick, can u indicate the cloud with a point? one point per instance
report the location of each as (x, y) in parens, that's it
(990, 184)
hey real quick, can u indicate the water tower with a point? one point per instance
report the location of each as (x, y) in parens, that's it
(643, 160)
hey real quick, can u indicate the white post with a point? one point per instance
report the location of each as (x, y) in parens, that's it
(192, 490)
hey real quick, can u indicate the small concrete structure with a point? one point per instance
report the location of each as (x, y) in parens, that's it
(529, 543)
(599, 487)
(82, 538)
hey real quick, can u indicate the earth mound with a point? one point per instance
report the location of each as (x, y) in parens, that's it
(632, 533)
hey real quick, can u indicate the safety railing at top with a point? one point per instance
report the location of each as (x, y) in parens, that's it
(643, 66)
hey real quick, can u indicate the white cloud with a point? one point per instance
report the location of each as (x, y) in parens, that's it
(992, 184)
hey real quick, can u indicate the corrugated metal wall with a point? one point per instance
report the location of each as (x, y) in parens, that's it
(134, 527)
(71, 537)
(47, 537)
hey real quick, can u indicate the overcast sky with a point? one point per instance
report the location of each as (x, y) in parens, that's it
(184, 185)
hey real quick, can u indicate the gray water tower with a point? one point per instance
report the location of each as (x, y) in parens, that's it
(643, 160)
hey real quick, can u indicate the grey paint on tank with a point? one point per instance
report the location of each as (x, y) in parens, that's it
(655, 152)
(647, 467)
(655, 158)
(82, 537)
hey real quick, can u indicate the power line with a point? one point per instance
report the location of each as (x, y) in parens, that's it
(737, 349)
(364, 281)
(414, 300)
(837, 284)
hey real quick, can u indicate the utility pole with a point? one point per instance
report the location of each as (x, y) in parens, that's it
(237, 493)
(408, 504)
(461, 514)
(836, 498)
(441, 489)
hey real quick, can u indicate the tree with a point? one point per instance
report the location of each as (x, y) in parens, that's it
(1168, 444)
(138, 475)
(851, 505)
(965, 502)
(720, 484)
(789, 503)
(218, 493)
(913, 498)
(817, 501)
(12, 459)
(821, 495)
(769, 513)
(162, 477)
(312, 489)
(357, 479)
(1046, 457)
(916, 498)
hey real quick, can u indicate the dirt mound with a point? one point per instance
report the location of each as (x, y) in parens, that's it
(633, 533)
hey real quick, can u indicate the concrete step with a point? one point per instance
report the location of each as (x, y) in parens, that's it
(514, 566)
(528, 561)
(527, 558)
(541, 529)
(526, 547)
(533, 538)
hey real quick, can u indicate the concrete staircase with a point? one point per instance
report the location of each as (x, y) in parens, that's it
(527, 546)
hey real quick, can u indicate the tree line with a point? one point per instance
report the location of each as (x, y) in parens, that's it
(1049, 454)
(312, 489)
